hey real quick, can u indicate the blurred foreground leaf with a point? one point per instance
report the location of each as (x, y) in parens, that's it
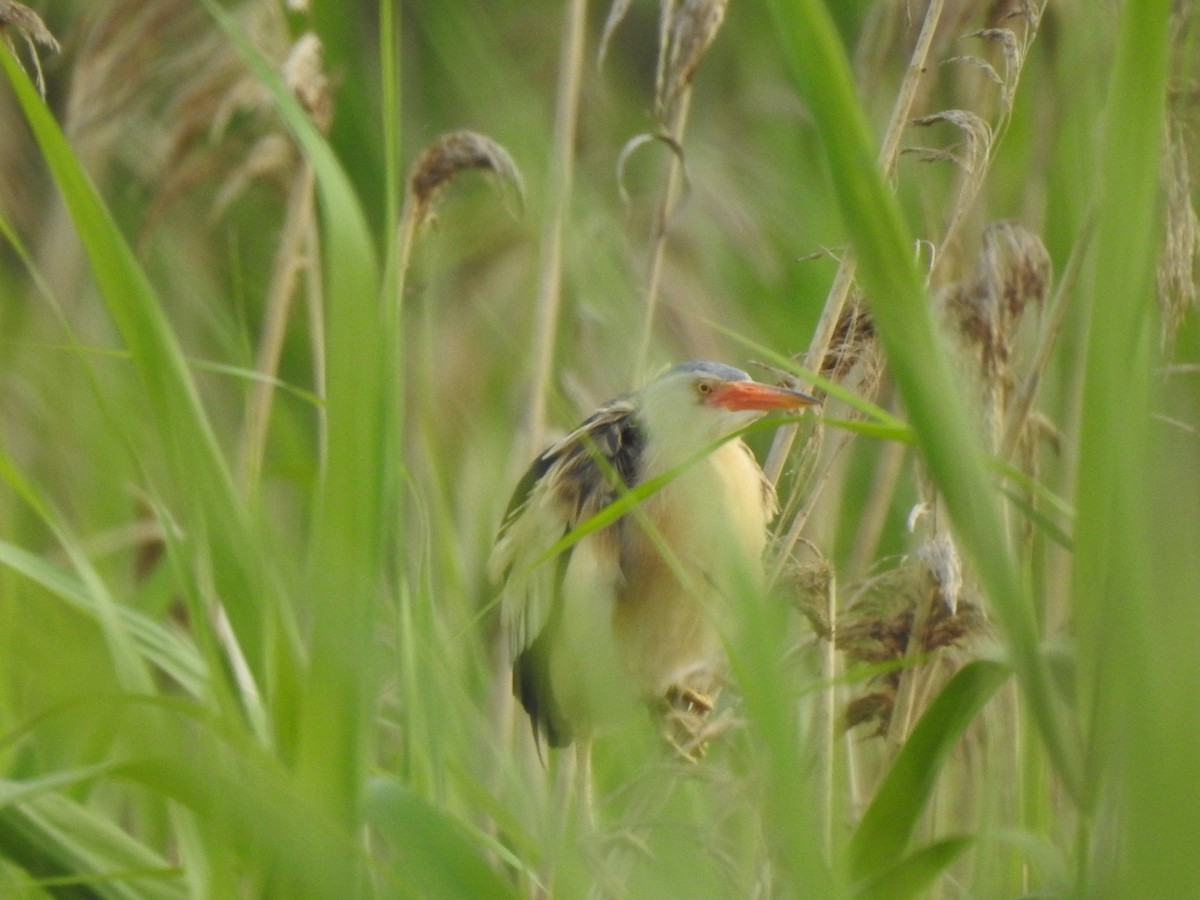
(888, 823)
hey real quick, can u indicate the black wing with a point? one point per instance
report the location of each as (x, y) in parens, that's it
(567, 484)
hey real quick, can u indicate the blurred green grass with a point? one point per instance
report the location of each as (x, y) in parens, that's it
(344, 730)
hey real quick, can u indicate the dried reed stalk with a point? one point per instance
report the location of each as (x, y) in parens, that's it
(559, 185)
(304, 74)
(687, 29)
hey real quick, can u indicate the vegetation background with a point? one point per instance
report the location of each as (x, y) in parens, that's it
(267, 375)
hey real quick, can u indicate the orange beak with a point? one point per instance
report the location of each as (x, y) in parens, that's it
(751, 395)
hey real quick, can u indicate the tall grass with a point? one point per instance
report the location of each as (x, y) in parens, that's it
(266, 386)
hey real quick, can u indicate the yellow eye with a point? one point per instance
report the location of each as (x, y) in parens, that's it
(703, 388)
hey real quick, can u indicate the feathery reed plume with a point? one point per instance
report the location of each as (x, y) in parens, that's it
(155, 88)
(1013, 272)
(19, 18)
(688, 29)
(938, 601)
(906, 612)
(458, 151)
(980, 136)
(1014, 258)
(853, 339)
(132, 62)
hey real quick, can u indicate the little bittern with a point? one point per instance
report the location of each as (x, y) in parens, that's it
(636, 608)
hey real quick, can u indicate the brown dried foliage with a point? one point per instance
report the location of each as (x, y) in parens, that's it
(877, 626)
(1178, 267)
(853, 341)
(458, 151)
(220, 125)
(1013, 272)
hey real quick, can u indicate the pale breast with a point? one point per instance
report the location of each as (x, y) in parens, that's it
(695, 549)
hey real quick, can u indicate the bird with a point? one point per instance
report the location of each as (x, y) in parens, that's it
(636, 609)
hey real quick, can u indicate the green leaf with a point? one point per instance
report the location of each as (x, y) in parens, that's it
(18, 791)
(349, 532)
(217, 513)
(882, 431)
(917, 871)
(888, 823)
(167, 649)
(434, 854)
(1039, 518)
(61, 842)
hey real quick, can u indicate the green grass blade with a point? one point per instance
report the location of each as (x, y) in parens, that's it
(885, 828)
(1116, 404)
(902, 434)
(174, 404)
(1138, 523)
(131, 673)
(19, 791)
(349, 533)
(1047, 525)
(61, 841)
(422, 839)
(157, 644)
(916, 872)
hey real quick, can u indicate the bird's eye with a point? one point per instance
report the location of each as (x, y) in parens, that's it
(703, 388)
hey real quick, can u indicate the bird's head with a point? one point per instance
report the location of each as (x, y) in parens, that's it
(695, 404)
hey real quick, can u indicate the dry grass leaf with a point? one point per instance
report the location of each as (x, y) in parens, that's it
(808, 585)
(688, 29)
(23, 20)
(1177, 264)
(29, 25)
(616, 15)
(1013, 46)
(221, 126)
(852, 342)
(1013, 52)
(458, 151)
(130, 57)
(982, 65)
(977, 140)
(304, 73)
(634, 144)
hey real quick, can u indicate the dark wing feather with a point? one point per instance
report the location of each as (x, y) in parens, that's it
(566, 485)
(531, 681)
